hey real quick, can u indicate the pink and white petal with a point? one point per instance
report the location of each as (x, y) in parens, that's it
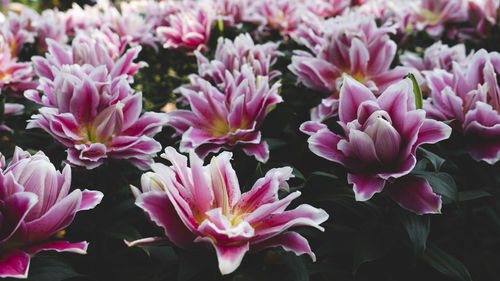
(272, 208)
(265, 190)
(351, 95)
(201, 187)
(229, 257)
(414, 194)
(290, 241)
(90, 199)
(365, 186)
(14, 210)
(14, 263)
(59, 246)
(324, 143)
(397, 100)
(229, 177)
(432, 131)
(303, 215)
(58, 217)
(260, 151)
(311, 127)
(160, 210)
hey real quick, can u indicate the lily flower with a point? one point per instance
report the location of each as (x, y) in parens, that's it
(36, 204)
(379, 142)
(204, 204)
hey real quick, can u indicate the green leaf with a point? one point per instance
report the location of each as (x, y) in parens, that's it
(418, 228)
(371, 244)
(50, 269)
(435, 160)
(446, 264)
(298, 174)
(325, 174)
(419, 100)
(472, 195)
(441, 183)
(296, 266)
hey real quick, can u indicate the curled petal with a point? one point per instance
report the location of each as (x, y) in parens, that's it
(415, 194)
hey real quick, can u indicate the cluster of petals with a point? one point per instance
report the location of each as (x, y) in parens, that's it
(233, 55)
(379, 141)
(204, 204)
(349, 44)
(14, 76)
(96, 117)
(36, 204)
(189, 28)
(432, 15)
(91, 51)
(470, 94)
(226, 118)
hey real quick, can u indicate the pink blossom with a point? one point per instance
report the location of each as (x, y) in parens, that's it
(49, 25)
(280, 15)
(470, 94)
(228, 118)
(350, 44)
(17, 29)
(14, 76)
(432, 15)
(437, 56)
(35, 200)
(204, 204)
(231, 11)
(189, 29)
(326, 8)
(379, 142)
(131, 27)
(86, 50)
(233, 55)
(483, 14)
(95, 117)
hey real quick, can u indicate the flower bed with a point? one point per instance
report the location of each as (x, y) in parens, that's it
(250, 140)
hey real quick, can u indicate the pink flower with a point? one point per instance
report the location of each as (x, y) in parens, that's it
(437, 56)
(85, 50)
(131, 27)
(204, 204)
(233, 55)
(14, 76)
(432, 15)
(17, 29)
(231, 11)
(229, 118)
(484, 14)
(353, 45)
(49, 25)
(471, 95)
(326, 8)
(95, 117)
(35, 206)
(380, 138)
(280, 15)
(189, 29)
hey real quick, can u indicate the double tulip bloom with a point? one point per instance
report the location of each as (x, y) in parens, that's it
(233, 55)
(470, 94)
(353, 45)
(95, 117)
(189, 28)
(229, 118)
(378, 144)
(36, 204)
(204, 204)
(14, 76)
